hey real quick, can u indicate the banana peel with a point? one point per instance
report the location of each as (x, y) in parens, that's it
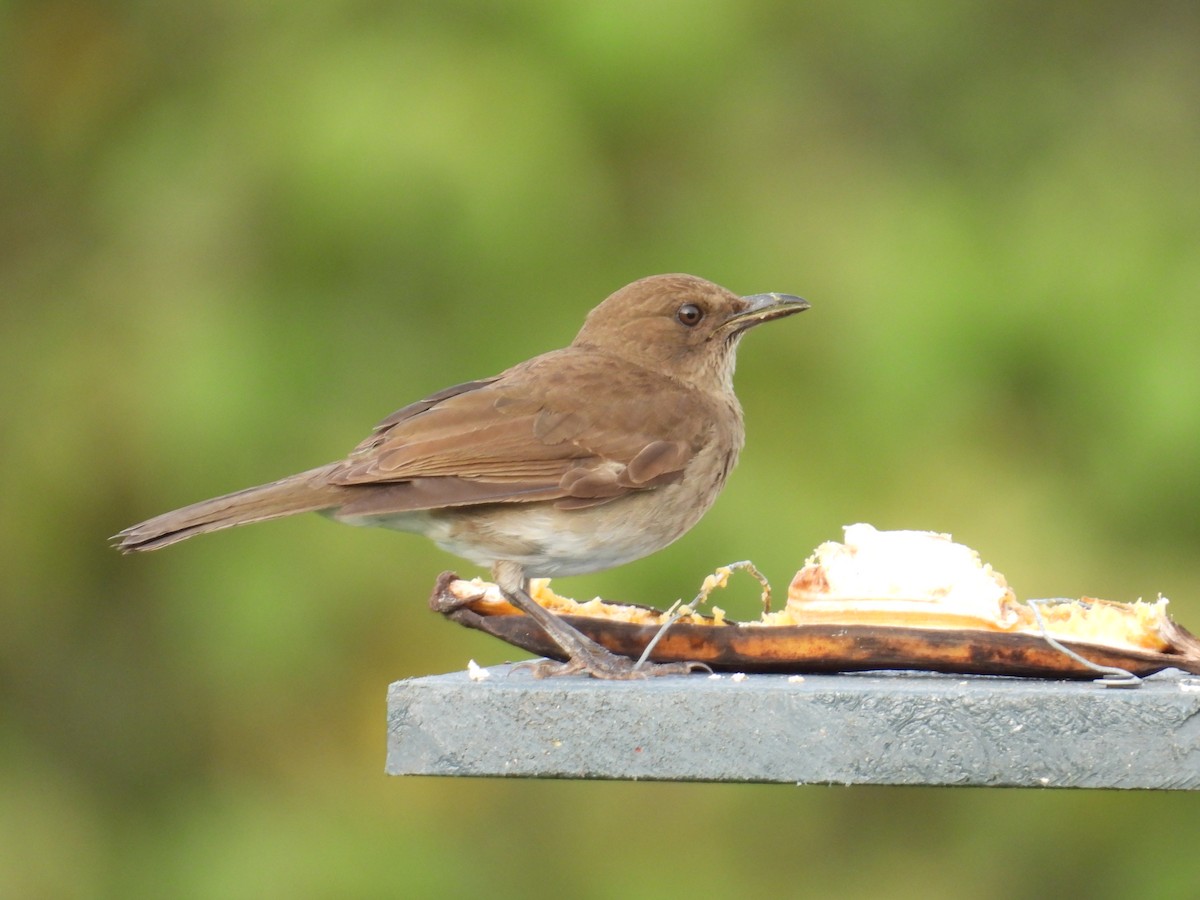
(726, 645)
(965, 621)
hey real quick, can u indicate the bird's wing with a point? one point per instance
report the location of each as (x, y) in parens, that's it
(580, 436)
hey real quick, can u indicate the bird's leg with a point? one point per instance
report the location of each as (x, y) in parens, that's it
(583, 654)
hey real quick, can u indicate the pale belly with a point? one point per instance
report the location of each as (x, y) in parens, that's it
(549, 542)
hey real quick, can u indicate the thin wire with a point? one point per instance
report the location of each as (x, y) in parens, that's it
(1113, 675)
(672, 617)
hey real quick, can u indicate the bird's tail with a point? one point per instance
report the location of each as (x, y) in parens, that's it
(306, 492)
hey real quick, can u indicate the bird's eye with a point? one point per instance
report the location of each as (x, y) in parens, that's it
(689, 314)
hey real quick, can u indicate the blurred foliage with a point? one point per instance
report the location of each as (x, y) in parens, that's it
(233, 236)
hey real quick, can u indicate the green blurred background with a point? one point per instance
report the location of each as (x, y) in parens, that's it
(235, 235)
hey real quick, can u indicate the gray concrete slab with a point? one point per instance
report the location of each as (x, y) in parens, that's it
(868, 728)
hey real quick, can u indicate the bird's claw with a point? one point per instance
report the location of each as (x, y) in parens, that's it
(608, 666)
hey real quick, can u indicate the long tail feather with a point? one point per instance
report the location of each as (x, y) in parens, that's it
(305, 492)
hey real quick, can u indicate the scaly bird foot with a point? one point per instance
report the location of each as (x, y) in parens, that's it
(608, 666)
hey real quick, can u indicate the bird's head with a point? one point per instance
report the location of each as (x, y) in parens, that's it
(681, 325)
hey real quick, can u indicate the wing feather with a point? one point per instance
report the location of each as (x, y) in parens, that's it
(522, 436)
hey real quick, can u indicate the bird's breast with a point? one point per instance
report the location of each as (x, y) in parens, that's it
(547, 541)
